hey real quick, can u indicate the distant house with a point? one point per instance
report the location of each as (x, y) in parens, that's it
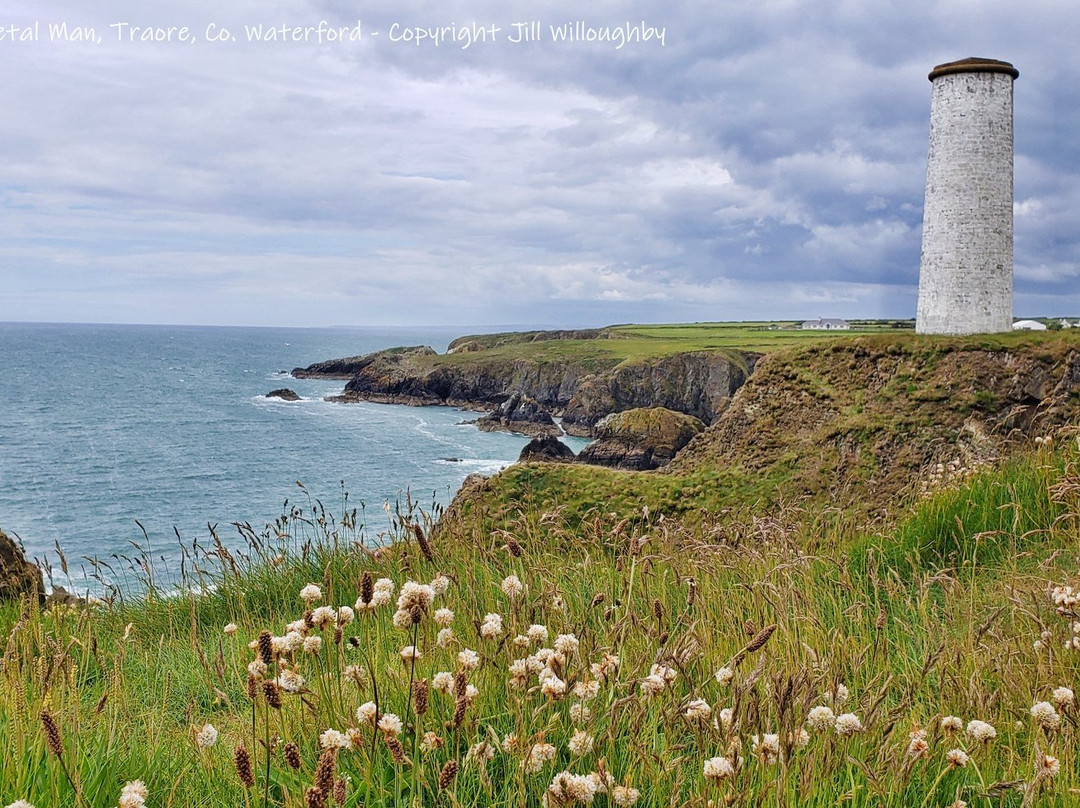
(1028, 325)
(826, 324)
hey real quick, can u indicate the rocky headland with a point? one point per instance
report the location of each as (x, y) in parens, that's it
(563, 373)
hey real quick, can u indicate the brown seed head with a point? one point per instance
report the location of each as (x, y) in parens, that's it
(416, 614)
(760, 638)
(326, 770)
(339, 635)
(459, 712)
(101, 703)
(396, 749)
(367, 587)
(252, 687)
(272, 693)
(266, 651)
(448, 773)
(421, 694)
(421, 539)
(52, 734)
(242, 759)
(461, 682)
(882, 620)
(309, 619)
(292, 755)
(658, 609)
(514, 548)
(598, 598)
(315, 797)
(339, 792)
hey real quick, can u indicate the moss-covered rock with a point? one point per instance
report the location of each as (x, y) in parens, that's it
(641, 439)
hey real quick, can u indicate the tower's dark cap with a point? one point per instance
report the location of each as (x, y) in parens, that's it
(974, 65)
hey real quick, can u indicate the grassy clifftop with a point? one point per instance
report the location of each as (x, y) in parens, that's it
(865, 422)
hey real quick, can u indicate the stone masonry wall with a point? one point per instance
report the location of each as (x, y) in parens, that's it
(965, 278)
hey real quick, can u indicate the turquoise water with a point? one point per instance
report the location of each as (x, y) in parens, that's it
(103, 425)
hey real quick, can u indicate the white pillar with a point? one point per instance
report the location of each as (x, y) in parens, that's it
(966, 271)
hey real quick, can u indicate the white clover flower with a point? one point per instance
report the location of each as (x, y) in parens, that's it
(207, 736)
(981, 731)
(538, 755)
(291, 682)
(519, 673)
(957, 758)
(917, 745)
(20, 804)
(332, 739)
(727, 715)
(766, 748)
(698, 709)
(512, 587)
(718, 768)
(667, 672)
(299, 626)
(566, 644)
(1050, 766)
(821, 718)
(1045, 715)
(311, 593)
(390, 724)
(558, 604)
(345, 615)
(313, 644)
(652, 685)
(324, 616)
(624, 796)
(403, 619)
(537, 633)
(800, 738)
(848, 724)
(445, 638)
(492, 626)
(952, 723)
(551, 685)
(569, 788)
(366, 712)
(410, 653)
(521, 641)
(482, 752)
(587, 691)
(231, 629)
(580, 744)
(257, 668)
(354, 673)
(443, 681)
(444, 617)
(133, 795)
(725, 675)
(1063, 697)
(430, 742)
(471, 693)
(414, 594)
(579, 713)
(468, 659)
(439, 584)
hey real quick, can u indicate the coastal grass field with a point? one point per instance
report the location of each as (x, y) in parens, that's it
(756, 658)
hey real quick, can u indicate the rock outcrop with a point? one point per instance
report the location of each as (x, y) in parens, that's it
(17, 575)
(698, 383)
(548, 449)
(520, 414)
(284, 393)
(640, 439)
(574, 384)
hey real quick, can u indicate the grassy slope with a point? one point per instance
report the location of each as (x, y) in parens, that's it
(913, 631)
(937, 614)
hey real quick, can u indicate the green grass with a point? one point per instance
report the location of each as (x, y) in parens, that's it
(901, 619)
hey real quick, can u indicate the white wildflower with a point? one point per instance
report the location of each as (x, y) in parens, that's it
(1063, 697)
(952, 723)
(512, 587)
(580, 744)
(981, 731)
(332, 739)
(848, 724)
(1045, 715)
(492, 626)
(718, 768)
(468, 659)
(390, 724)
(957, 758)
(445, 638)
(821, 718)
(537, 633)
(311, 593)
(725, 675)
(207, 736)
(566, 644)
(366, 712)
(444, 617)
(698, 709)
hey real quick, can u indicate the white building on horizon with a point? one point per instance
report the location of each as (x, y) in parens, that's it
(826, 324)
(1028, 325)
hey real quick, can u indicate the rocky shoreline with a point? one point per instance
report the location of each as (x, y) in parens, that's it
(695, 383)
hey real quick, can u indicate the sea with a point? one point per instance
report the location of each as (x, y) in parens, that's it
(110, 430)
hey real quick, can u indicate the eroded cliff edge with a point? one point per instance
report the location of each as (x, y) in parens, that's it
(570, 373)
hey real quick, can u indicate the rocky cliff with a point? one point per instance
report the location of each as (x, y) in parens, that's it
(697, 383)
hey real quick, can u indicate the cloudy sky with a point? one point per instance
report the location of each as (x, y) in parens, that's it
(764, 159)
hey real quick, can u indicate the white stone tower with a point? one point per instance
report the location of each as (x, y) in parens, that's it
(966, 271)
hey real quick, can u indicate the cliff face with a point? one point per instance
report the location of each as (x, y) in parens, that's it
(695, 383)
(872, 418)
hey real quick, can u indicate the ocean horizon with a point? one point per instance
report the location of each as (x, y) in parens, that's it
(110, 429)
